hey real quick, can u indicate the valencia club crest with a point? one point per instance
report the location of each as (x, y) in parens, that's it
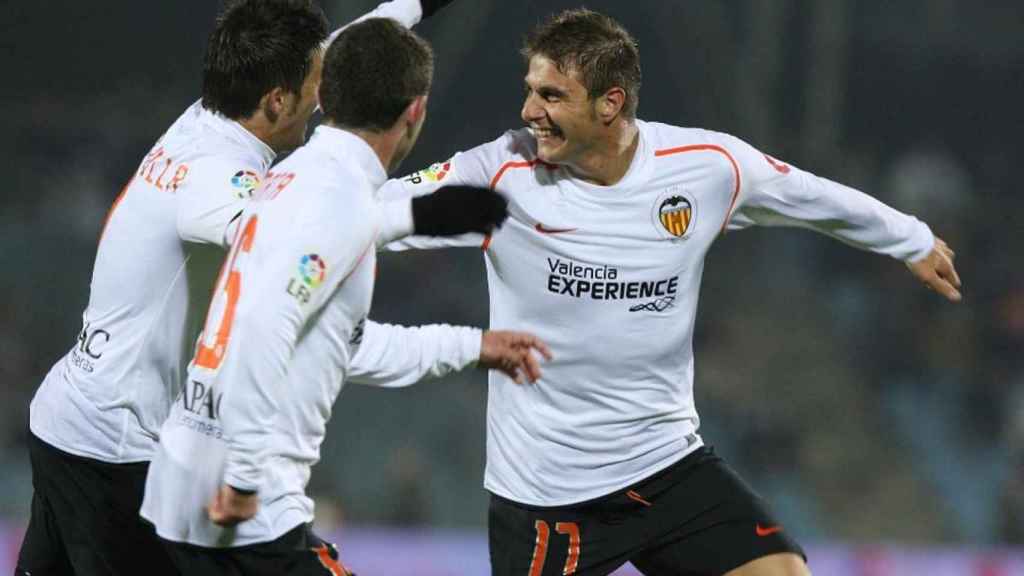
(674, 213)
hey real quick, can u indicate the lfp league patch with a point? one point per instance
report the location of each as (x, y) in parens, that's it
(245, 182)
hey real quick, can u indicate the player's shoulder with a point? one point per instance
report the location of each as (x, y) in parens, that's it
(322, 184)
(666, 137)
(511, 146)
(208, 173)
(212, 146)
(686, 145)
(479, 165)
(519, 144)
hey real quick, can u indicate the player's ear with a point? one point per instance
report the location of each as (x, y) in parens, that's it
(416, 110)
(274, 103)
(610, 104)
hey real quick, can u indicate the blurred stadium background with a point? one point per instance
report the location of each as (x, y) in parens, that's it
(884, 424)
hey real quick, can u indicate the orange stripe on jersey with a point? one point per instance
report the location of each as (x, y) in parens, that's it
(506, 166)
(501, 172)
(713, 148)
(114, 207)
(514, 164)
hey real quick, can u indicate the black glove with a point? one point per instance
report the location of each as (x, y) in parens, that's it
(454, 210)
(432, 6)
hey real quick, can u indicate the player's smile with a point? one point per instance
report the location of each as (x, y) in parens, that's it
(548, 135)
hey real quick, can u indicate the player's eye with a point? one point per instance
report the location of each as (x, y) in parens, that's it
(549, 95)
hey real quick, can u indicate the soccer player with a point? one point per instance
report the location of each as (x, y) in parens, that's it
(96, 417)
(226, 488)
(600, 461)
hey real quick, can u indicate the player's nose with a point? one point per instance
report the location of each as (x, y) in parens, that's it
(531, 111)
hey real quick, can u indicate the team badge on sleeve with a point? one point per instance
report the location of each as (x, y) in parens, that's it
(245, 181)
(435, 173)
(674, 213)
(311, 273)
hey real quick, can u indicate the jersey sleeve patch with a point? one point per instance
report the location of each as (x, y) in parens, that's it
(434, 174)
(244, 182)
(312, 270)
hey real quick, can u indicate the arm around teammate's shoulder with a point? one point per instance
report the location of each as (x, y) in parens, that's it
(452, 202)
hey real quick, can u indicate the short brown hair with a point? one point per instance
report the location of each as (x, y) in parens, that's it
(597, 47)
(372, 71)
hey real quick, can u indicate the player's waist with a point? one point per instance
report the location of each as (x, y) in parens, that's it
(64, 417)
(639, 491)
(559, 472)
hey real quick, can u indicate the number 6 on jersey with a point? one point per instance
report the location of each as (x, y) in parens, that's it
(213, 342)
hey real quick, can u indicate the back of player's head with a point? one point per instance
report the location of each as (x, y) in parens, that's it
(594, 46)
(372, 72)
(259, 45)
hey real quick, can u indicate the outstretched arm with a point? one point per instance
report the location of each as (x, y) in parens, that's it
(393, 356)
(457, 185)
(408, 13)
(774, 193)
(451, 212)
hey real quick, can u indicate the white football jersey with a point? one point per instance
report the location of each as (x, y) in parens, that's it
(162, 245)
(287, 318)
(608, 277)
(158, 256)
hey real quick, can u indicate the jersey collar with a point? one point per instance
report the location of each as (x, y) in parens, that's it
(348, 147)
(238, 133)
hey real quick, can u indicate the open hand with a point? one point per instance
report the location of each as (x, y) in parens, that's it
(230, 507)
(937, 272)
(513, 353)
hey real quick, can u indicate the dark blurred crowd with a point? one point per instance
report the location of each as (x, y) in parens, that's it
(862, 406)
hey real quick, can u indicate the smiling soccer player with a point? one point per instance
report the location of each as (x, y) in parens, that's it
(601, 462)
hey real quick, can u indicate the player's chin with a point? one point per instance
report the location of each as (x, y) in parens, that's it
(550, 150)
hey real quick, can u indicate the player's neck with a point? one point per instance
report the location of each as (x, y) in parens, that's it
(609, 160)
(258, 126)
(384, 144)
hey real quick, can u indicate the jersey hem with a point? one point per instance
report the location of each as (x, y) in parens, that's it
(594, 494)
(77, 451)
(262, 539)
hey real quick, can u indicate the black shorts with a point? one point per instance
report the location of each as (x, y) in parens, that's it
(298, 552)
(697, 517)
(85, 518)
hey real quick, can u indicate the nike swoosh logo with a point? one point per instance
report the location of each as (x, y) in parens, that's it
(761, 531)
(545, 230)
